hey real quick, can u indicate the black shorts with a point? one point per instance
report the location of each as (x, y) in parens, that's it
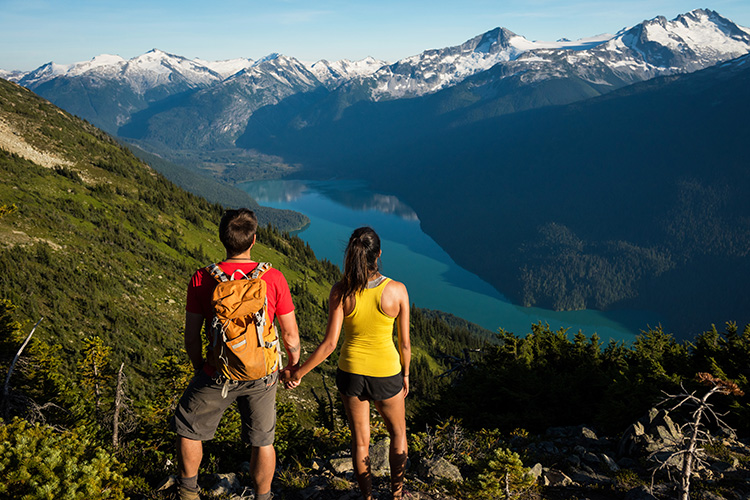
(370, 388)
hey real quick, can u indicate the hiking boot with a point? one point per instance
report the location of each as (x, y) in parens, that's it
(185, 493)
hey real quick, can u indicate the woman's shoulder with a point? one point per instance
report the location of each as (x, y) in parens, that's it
(337, 290)
(395, 287)
(394, 283)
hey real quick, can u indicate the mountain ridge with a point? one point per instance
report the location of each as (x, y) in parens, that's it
(141, 80)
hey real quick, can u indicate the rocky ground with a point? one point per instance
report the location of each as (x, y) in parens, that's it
(565, 462)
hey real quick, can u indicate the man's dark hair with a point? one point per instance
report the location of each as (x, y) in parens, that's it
(237, 230)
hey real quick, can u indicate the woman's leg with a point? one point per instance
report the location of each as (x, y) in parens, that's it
(393, 411)
(358, 413)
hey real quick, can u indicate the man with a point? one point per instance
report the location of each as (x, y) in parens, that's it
(202, 405)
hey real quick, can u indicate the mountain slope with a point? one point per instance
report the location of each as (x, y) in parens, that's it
(108, 89)
(213, 117)
(101, 245)
(631, 200)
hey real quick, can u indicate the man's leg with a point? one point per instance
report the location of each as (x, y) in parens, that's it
(189, 456)
(262, 467)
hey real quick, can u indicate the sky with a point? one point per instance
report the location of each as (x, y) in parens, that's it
(35, 32)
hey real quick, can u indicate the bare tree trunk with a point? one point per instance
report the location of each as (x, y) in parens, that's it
(6, 388)
(687, 464)
(97, 395)
(118, 402)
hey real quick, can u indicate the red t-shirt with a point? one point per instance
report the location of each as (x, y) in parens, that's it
(202, 285)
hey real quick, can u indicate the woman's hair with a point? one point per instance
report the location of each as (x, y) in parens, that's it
(360, 260)
(237, 230)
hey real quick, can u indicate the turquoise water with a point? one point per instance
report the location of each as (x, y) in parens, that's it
(433, 279)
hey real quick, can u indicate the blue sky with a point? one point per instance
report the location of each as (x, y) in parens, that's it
(34, 32)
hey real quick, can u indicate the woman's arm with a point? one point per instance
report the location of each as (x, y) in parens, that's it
(330, 341)
(404, 340)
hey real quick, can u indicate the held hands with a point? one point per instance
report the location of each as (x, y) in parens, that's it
(290, 377)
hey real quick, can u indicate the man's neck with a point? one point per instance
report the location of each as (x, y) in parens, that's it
(242, 257)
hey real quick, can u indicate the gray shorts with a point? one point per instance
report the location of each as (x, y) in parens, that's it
(201, 406)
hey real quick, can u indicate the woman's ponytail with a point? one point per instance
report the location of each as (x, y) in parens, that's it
(360, 260)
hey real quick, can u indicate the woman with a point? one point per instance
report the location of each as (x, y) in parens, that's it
(370, 367)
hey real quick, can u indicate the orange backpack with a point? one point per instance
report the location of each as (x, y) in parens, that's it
(244, 342)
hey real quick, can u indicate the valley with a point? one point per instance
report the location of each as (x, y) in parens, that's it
(604, 173)
(435, 281)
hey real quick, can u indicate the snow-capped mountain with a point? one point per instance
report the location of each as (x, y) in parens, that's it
(104, 63)
(690, 42)
(228, 67)
(153, 69)
(437, 69)
(230, 103)
(332, 74)
(218, 98)
(216, 115)
(158, 68)
(11, 75)
(285, 70)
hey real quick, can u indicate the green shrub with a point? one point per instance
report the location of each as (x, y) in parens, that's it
(37, 462)
(503, 476)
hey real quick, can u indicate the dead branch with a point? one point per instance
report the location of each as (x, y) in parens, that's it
(6, 388)
(118, 402)
(689, 449)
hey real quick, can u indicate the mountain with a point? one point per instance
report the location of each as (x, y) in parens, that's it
(156, 97)
(213, 117)
(108, 89)
(632, 200)
(500, 72)
(558, 74)
(657, 47)
(333, 74)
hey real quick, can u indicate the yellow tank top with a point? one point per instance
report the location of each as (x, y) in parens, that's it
(368, 337)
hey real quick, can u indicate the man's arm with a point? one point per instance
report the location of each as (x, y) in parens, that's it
(290, 337)
(193, 344)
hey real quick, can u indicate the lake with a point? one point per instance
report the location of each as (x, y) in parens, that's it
(433, 279)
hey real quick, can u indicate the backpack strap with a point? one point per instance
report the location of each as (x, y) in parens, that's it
(221, 276)
(260, 316)
(217, 273)
(260, 270)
